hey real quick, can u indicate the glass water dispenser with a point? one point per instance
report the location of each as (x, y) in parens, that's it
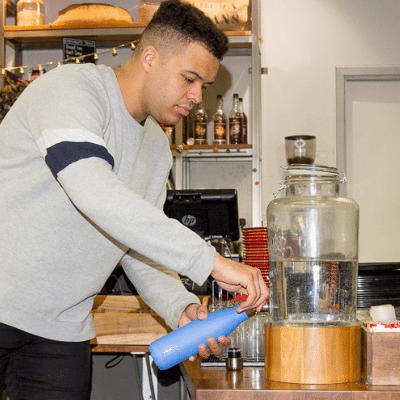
(313, 336)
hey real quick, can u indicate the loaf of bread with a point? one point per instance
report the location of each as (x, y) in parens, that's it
(87, 15)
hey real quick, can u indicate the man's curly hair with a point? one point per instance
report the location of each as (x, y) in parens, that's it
(181, 21)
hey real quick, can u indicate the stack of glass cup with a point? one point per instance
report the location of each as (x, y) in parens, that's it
(249, 335)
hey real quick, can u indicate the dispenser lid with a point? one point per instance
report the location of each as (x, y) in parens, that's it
(310, 169)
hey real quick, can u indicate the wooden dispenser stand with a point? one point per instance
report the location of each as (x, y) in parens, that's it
(308, 355)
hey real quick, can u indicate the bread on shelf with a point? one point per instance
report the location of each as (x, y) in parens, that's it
(92, 15)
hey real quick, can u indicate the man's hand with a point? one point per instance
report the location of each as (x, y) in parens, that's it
(240, 278)
(192, 312)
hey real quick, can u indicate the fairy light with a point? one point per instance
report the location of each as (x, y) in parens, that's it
(77, 60)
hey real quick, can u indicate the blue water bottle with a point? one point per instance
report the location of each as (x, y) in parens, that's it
(184, 342)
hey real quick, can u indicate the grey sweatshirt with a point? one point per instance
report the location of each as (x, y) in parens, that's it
(82, 186)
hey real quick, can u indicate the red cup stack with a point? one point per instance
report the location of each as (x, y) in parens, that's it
(255, 250)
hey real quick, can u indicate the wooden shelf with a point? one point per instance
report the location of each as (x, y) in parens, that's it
(212, 150)
(212, 146)
(51, 33)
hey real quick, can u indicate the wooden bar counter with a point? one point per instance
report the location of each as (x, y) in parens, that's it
(206, 383)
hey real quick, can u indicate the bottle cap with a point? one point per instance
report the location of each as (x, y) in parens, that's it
(234, 362)
(233, 352)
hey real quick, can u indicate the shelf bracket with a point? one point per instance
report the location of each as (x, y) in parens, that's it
(263, 70)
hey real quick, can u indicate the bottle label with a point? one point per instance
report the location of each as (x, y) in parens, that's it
(244, 132)
(220, 131)
(234, 130)
(200, 131)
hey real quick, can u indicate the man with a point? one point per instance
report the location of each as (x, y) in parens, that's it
(83, 170)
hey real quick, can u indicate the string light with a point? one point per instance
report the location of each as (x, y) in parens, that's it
(77, 60)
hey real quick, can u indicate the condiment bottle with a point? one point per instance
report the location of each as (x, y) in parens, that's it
(220, 122)
(200, 125)
(30, 12)
(235, 122)
(243, 118)
(180, 344)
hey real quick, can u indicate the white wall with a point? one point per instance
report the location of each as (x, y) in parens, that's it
(303, 42)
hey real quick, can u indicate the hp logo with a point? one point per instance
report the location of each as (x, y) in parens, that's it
(189, 220)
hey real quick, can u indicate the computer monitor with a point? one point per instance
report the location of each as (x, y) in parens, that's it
(212, 213)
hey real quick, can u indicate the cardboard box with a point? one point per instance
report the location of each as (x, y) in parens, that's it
(380, 357)
(228, 15)
(127, 320)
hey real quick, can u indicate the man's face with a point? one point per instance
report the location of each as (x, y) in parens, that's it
(175, 85)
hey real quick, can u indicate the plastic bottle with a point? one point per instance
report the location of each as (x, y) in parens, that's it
(220, 122)
(244, 121)
(200, 125)
(235, 122)
(184, 342)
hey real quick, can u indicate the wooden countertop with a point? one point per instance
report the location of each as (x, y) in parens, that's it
(206, 383)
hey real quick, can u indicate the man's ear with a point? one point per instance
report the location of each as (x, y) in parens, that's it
(149, 58)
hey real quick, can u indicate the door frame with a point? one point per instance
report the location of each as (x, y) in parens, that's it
(345, 75)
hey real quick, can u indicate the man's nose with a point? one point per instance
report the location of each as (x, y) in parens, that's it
(196, 95)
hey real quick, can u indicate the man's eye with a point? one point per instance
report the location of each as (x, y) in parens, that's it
(190, 80)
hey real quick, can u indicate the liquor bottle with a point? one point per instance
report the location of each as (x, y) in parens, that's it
(244, 121)
(180, 344)
(235, 122)
(200, 125)
(220, 122)
(169, 130)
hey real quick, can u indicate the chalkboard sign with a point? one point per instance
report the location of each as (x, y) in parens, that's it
(73, 48)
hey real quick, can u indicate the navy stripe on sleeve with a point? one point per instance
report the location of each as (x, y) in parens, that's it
(62, 154)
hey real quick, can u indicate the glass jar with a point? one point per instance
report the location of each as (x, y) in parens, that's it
(147, 8)
(30, 12)
(313, 250)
